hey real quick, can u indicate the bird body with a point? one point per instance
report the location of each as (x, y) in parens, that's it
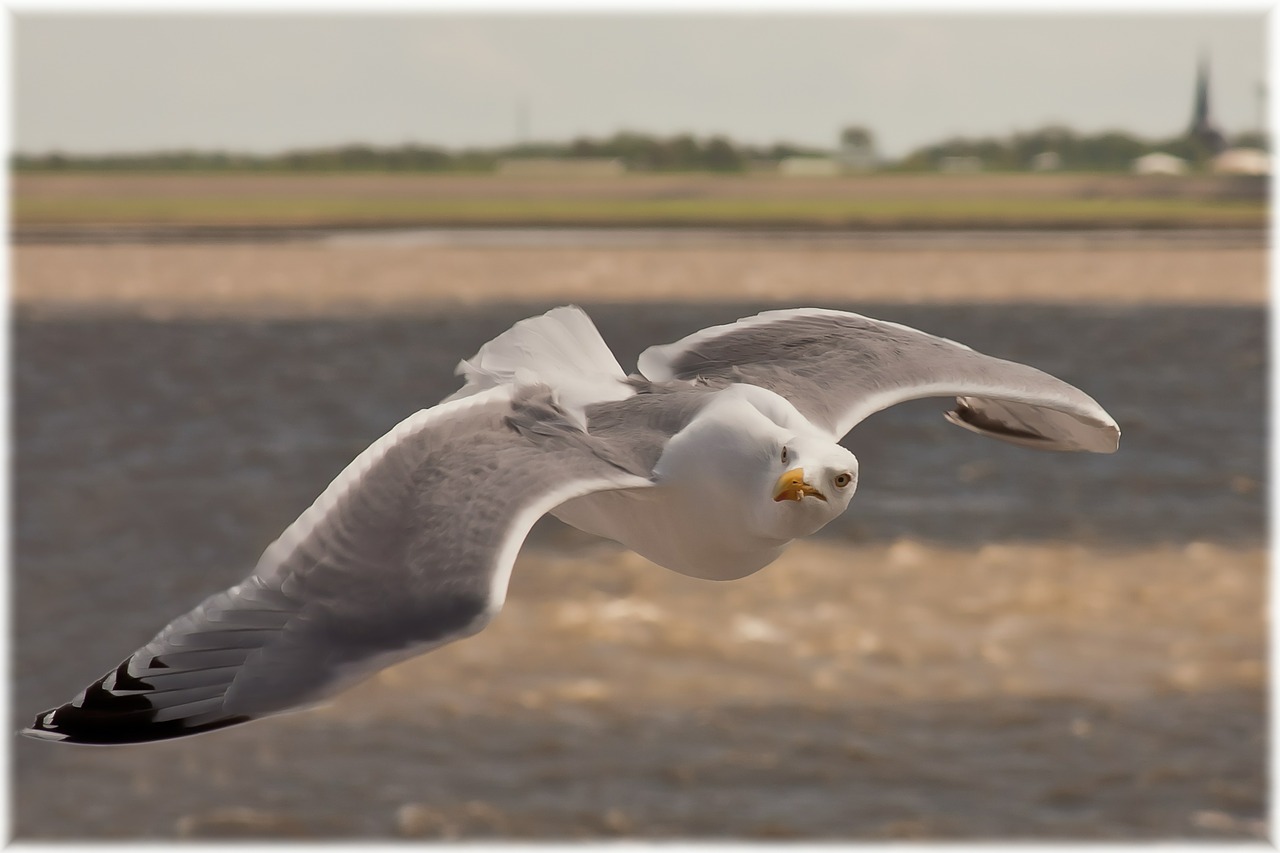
(710, 461)
(710, 512)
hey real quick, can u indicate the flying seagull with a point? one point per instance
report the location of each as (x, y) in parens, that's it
(710, 461)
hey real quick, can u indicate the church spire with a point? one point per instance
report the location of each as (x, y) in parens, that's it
(1200, 113)
(1202, 128)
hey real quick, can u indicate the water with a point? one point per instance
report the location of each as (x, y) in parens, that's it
(275, 409)
(636, 237)
(154, 460)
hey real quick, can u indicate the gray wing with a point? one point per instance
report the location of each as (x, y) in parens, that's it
(837, 368)
(411, 547)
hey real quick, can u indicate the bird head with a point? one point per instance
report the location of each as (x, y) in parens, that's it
(809, 482)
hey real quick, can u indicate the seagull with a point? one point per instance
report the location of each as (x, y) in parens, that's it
(721, 451)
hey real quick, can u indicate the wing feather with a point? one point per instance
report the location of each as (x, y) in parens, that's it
(408, 549)
(838, 368)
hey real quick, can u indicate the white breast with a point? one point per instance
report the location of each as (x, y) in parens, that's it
(702, 517)
(661, 526)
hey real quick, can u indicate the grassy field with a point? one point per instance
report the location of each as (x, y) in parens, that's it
(889, 201)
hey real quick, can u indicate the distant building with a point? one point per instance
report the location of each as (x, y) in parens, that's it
(1159, 163)
(761, 165)
(960, 165)
(1202, 128)
(812, 167)
(561, 167)
(1242, 161)
(1046, 161)
(857, 150)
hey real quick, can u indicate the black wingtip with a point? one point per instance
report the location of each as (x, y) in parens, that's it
(1060, 430)
(42, 734)
(122, 714)
(98, 726)
(970, 418)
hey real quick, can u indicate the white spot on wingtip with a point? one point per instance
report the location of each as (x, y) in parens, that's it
(41, 734)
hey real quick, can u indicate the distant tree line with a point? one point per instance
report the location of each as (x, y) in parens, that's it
(1102, 152)
(346, 158)
(637, 151)
(681, 153)
(1112, 151)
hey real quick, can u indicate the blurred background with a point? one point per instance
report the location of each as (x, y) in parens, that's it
(246, 246)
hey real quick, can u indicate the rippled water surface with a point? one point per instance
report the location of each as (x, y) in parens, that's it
(935, 686)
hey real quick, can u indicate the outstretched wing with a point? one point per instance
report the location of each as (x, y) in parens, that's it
(837, 368)
(411, 547)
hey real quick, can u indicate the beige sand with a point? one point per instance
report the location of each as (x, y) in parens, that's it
(878, 692)
(1042, 691)
(315, 278)
(903, 622)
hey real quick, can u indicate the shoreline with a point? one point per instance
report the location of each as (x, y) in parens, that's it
(378, 273)
(523, 232)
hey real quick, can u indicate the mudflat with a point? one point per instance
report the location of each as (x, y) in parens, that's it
(901, 691)
(336, 279)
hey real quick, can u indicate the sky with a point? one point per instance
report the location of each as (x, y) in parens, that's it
(111, 83)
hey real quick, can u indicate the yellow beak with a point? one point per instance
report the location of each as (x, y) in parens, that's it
(792, 487)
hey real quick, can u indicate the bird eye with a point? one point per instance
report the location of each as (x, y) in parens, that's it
(785, 455)
(843, 480)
